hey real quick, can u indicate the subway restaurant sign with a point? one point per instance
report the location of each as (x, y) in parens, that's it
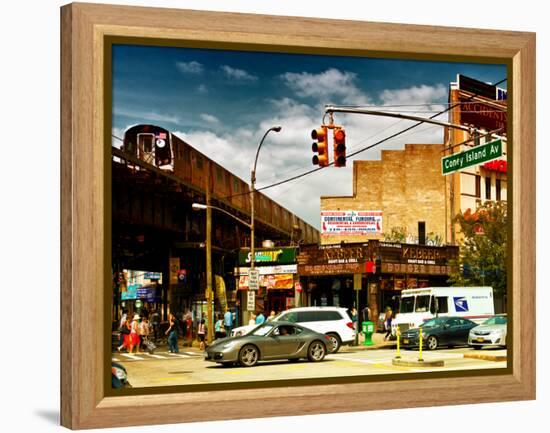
(469, 158)
(279, 256)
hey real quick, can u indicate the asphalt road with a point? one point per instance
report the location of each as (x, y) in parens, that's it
(185, 368)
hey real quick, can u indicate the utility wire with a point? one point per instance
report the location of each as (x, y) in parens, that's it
(367, 147)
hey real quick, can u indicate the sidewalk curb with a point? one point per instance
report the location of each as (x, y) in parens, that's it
(496, 358)
(373, 347)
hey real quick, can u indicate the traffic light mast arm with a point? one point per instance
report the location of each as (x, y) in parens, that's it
(329, 109)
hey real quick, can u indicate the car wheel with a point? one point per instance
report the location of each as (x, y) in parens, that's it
(249, 356)
(316, 351)
(335, 343)
(432, 343)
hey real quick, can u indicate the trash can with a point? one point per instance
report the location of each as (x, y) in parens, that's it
(368, 330)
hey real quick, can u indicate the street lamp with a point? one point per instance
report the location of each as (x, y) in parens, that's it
(209, 293)
(252, 189)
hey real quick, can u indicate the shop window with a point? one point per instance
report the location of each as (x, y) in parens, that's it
(488, 188)
(478, 186)
(498, 189)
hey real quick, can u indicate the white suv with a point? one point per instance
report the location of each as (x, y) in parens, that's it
(332, 321)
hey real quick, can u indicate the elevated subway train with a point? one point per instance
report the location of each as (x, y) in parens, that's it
(159, 147)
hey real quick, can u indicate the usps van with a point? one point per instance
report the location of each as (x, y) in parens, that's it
(419, 305)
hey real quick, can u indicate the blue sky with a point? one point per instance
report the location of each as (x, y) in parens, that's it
(222, 102)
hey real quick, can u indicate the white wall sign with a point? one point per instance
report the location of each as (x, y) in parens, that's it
(351, 222)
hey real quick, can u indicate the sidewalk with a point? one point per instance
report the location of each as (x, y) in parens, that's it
(377, 339)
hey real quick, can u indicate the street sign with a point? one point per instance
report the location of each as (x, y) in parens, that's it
(251, 301)
(253, 279)
(474, 156)
(357, 281)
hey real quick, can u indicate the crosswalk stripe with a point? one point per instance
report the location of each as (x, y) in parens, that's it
(155, 356)
(179, 355)
(129, 355)
(115, 359)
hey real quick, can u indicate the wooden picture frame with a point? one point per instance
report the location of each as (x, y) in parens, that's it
(85, 27)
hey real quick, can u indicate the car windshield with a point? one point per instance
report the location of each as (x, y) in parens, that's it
(407, 305)
(496, 320)
(262, 330)
(430, 323)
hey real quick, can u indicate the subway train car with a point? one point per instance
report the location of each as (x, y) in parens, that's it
(159, 147)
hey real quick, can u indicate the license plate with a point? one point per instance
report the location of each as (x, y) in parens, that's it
(480, 339)
(406, 341)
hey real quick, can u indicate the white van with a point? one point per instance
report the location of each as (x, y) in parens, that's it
(419, 305)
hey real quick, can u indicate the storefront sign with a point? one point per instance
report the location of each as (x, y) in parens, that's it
(483, 116)
(152, 275)
(402, 268)
(269, 270)
(351, 222)
(279, 256)
(474, 156)
(498, 165)
(334, 259)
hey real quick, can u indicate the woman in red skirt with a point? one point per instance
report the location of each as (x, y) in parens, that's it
(134, 335)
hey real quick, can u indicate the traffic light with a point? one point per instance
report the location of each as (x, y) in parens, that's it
(320, 147)
(339, 136)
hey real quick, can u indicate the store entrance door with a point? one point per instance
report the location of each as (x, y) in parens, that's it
(276, 301)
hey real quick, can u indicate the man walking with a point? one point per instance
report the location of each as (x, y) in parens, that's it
(228, 322)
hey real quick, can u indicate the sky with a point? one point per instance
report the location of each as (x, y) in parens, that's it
(222, 102)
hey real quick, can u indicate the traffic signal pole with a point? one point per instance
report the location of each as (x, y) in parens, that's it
(329, 109)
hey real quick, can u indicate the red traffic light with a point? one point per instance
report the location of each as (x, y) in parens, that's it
(320, 147)
(339, 146)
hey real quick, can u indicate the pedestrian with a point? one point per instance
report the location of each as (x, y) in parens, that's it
(124, 338)
(172, 333)
(354, 318)
(155, 322)
(388, 317)
(366, 314)
(271, 316)
(188, 330)
(121, 326)
(134, 334)
(252, 320)
(144, 331)
(228, 322)
(219, 329)
(201, 332)
(260, 318)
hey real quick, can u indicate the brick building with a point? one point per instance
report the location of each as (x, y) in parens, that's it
(405, 187)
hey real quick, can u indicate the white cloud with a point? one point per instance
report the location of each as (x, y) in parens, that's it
(192, 67)
(202, 89)
(288, 153)
(150, 116)
(237, 74)
(330, 86)
(414, 95)
(209, 118)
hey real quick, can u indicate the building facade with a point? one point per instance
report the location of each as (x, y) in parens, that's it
(403, 191)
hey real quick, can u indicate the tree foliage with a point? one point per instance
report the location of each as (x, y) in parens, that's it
(483, 252)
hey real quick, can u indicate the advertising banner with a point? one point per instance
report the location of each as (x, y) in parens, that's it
(221, 294)
(351, 222)
(279, 281)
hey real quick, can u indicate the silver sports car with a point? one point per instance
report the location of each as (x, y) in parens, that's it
(269, 341)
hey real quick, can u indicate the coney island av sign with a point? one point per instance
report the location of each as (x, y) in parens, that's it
(476, 155)
(351, 222)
